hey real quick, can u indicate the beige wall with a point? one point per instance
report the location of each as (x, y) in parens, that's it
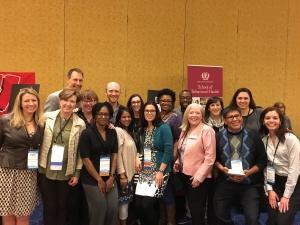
(146, 44)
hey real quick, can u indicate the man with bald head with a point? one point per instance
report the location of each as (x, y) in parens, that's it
(113, 91)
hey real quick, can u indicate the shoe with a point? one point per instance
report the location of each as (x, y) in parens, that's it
(184, 220)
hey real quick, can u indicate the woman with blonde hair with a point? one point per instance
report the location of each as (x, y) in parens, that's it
(20, 137)
(197, 153)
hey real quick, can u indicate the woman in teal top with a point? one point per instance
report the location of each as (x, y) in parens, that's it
(157, 144)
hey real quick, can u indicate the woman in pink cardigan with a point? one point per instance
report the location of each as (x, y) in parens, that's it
(197, 152)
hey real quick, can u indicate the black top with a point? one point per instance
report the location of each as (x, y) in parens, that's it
(15, 144)
(91, 145)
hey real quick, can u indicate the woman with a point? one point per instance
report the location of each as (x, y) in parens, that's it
(282, 108)
(59, 161)
(157, 156)
(78, 208)
(88, 99)
(128, 161)
(282, 173)
(197, 153)
(213, 113)
(135, 105)
(243, 99)
(20, 138)
(98, 147)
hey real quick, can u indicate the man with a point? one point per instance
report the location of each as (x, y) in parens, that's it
(113, 91)
(185, 98)
(75, 80)
(241, 159)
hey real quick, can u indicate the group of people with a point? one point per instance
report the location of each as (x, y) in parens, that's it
(102, 163)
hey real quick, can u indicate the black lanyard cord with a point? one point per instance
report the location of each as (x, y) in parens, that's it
(275, 149)
(62, 128)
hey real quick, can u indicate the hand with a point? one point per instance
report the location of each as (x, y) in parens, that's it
(284, 205)
(111, 126)
(224, 169)
(73, 181)
(195, 182)
(101, 185)
(176, 167)
(237, 178)
(138, 165)
(123, 181)
(273, 199)
(109, 184)
(159, 177)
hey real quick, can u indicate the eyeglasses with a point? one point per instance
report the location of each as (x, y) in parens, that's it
(165, 101)
(236, 116)
(185, 97)
(135, 102)
(89, 101)
(150, 111)
(104, 115)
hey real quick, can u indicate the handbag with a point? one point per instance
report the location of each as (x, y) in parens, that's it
(125, 193)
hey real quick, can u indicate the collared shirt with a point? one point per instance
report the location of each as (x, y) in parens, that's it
(286, 161)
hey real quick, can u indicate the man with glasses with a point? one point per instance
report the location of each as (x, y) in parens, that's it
(185, 98)
(241, 160)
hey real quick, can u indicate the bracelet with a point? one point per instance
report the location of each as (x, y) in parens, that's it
(159, 170)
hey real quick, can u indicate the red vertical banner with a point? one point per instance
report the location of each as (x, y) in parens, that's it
(204, 82)
(7, 79)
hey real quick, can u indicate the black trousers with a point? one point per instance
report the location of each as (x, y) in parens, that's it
(78, 213)
(227, 193)
(277, 218)
(148, 209)
(196, 198)
(54, 196)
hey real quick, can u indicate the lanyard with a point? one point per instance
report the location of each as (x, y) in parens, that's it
(275, 149)
(61, 128)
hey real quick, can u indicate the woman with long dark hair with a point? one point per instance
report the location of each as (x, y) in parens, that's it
(157, 157)
(213, 113)
(282, 174)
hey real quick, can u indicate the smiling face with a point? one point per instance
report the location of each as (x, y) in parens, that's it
(102, 116)
(272, 121)
(215, 109)
(68, 105)
(185, 99)
(243, 100)
(149, 113)
(113, 92)
(87, 105)
(125, 119)
(29, 103)
(75, 81)
(195, 116)
(136, 103)
(234, 121)
(166, 103)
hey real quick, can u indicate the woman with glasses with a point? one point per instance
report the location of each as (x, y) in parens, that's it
(157, 157)
(20, 138)
(59, 161)
(282, 173)
(88, 99)
(98, 148)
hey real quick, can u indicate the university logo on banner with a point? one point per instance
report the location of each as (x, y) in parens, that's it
(7, 80)
(204, 82)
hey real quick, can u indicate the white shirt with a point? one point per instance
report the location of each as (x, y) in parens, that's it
(286, 161)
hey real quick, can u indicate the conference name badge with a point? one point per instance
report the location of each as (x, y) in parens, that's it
(57, 157)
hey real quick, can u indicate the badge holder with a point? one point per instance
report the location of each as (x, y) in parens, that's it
(57, 157)
(270, 175)
(147, 158)
(32, 159)
(104, 166)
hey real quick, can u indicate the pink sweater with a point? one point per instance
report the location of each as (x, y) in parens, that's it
(200, 152)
